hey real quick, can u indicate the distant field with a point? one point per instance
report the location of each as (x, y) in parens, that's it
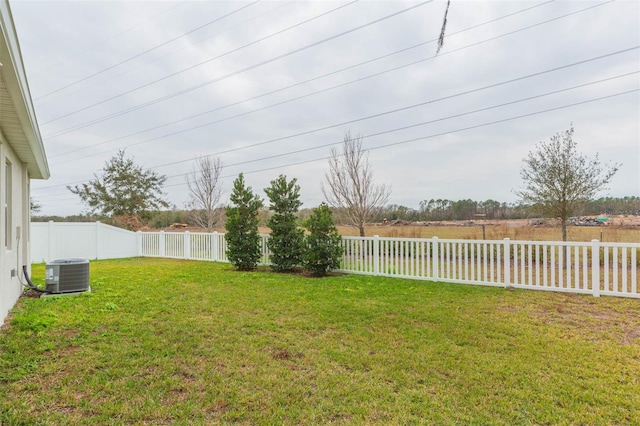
(498, 232)
(626, 230)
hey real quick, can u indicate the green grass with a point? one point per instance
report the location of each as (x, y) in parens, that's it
(177, 342)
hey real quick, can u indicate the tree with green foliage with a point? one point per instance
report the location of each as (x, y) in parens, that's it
(35, 206)
(124, 190)
(324, 243)
(243, 240)
(557, 178)
(286, 243)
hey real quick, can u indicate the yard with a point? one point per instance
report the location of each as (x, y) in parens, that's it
(181, 342)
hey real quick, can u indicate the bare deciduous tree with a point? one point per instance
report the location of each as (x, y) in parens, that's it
(350, 183)
(557, 178)
(205, 192)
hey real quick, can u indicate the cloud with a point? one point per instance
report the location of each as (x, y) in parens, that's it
(63, 42)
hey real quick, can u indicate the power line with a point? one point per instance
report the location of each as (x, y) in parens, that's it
(299, 97)
(378, 114)
(166, 97)
(424, 123)
(109, 38)
(110, 67)
(477, 126)
(409, 126)
(443, 133)
(232, 74)
(193, 42)
(323, 76)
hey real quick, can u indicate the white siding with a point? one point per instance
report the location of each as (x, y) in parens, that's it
(14, 254)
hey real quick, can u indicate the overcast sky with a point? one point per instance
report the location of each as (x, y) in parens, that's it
(246, 81)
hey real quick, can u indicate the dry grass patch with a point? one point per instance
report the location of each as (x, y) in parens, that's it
(500, 231)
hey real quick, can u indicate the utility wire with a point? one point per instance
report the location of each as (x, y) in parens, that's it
(424, 123)
(232, 74)
(193, 42)
(298, 97)
(166, 97)
(314, 79)
(92, 47)
(441, 134)
(378, 114)
(422, 138)
(399, 128)
(131, 58)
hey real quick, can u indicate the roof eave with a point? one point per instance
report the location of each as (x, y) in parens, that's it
(14, 74)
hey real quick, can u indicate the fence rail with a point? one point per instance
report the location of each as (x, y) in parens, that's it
(593, 267)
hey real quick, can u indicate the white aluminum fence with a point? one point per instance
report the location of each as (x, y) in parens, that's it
(540, 265)
(555, 266)
(537, 265)
(195, 246)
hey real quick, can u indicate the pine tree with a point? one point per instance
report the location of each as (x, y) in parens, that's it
(286, 242)
(243, 240)
(324, 244)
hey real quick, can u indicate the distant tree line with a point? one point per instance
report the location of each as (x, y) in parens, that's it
(558, 182)
(612, 206)
(429, 210)
(443, 209)
(470, 209)
(152, 219)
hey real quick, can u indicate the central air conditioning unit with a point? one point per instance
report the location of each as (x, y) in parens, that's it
(67, 275)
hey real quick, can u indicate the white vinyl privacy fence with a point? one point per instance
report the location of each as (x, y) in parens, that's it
(89, 240)
(594, 267)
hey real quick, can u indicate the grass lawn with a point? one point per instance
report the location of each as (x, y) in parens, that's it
(177, 342)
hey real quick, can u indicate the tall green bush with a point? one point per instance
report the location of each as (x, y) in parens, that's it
(286, 243)
(324, 243)
(243, 240)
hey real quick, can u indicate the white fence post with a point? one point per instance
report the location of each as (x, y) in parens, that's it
(97, 239)
(215, 247)
(435, 266)
(139, 243)
(376, 255)
(595, 267)
(50, 242)
(534, 260)
(506, 259)
(187, 245)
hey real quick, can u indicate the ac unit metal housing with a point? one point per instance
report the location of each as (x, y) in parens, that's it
(67, 275)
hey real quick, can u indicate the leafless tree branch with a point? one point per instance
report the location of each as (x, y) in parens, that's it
(350, 184)
(205, 192)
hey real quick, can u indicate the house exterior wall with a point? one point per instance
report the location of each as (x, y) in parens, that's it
(22, 157)
(14, 226)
